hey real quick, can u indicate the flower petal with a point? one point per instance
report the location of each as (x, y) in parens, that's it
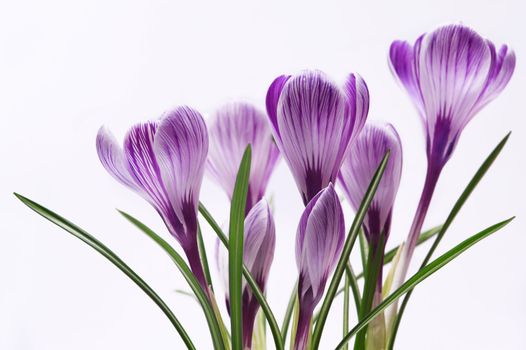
(235, 126)
(358, 99)
(402, 63)
(273, 94)
(143, 166)
(260, 241)
(112, 157)
(181, 146)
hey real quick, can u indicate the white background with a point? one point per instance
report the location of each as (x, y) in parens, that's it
(68, 67)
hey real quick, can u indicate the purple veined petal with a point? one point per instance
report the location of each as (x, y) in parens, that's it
(111, 156)
(314, 127)
(359, 167)
(403, 66)
(319, 241)
(181, 146)
(143, 167)
(234, 127)
(260, 241)
(500, 75)
(357, 95)
(273, 95)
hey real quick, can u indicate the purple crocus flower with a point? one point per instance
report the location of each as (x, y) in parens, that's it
(358, 169)
(258, 252)
(163, 161)
(450, 74)
(319, 242)
(356, 173)
(234, 127)
(313, 121)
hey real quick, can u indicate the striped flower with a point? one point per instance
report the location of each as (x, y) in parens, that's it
(234, 127)
(313, 121)
(258, 253)
(163, 161)
(319, 242)
(450, 74)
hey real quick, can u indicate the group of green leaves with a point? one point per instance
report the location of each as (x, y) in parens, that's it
(221, 338)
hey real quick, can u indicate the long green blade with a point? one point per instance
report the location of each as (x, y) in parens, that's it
(421, 275)
(274, 328)
(452, 215)
(235, 255)
(204, 258)
(288, 312)
(349, 243)
(112, 257)
(199, 293)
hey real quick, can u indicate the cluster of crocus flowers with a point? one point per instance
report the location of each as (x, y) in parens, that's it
(450, 75)
(320, 129)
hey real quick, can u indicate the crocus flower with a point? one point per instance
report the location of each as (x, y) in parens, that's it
(450, 74)
(319, 242)
(313, 121)
(258, 252)
(234, 127)
(356, 173)
(163, 161)
(358, 169)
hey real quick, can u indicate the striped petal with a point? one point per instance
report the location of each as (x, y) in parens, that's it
(142, 164)
(235, 126)
(181, 146)
(359, 167)
(111, 156)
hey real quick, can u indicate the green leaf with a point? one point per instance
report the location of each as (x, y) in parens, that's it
(235, 255)
(199, 293)
(288, 312)
(349, 243)
(204, 258)
(276, 335)
(346, 293)
(374, 264)
(421, 275)
(456, 208)
(353, 284)
(112, 257)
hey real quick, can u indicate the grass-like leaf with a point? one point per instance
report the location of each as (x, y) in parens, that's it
(274, 328)
(344, 258)
(235, 254)
(456, 208)
(288, 312)
(113, 258)
(204, 258)
(199, 293)
(421, 275)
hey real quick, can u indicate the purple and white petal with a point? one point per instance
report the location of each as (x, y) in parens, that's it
(273, 95)
(234, 127)
(111, 156)
(142, 164)
(181, 146)
(357, 95)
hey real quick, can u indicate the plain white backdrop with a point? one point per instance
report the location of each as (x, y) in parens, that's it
(67, 67)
